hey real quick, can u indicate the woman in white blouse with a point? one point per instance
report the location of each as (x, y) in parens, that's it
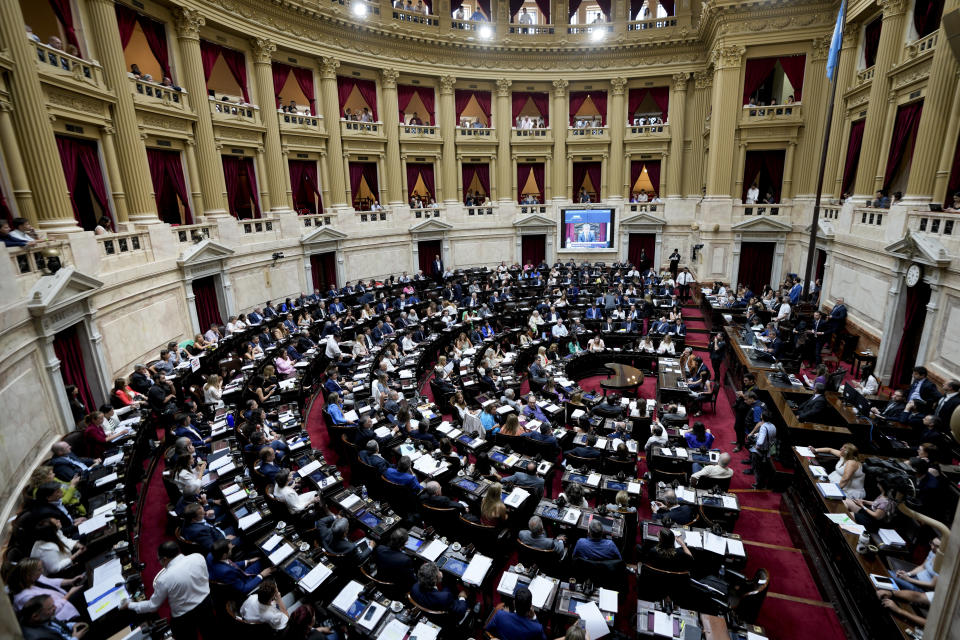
(359, 349)
(213, 390)
(52, 548)
(285, 493)
(646, 345)
(869, 384)
(666, 346)
(535, 322)
(595, 344)
(542, 359)
(186, 473)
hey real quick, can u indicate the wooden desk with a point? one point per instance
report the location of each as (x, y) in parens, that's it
(624, 378)
(845, 572)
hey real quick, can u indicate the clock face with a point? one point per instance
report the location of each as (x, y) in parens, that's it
(913, 275)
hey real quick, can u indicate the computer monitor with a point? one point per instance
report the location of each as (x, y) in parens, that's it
(296, 569)
(369, 519)
(455, 566)
(467, 485)
(851, 396)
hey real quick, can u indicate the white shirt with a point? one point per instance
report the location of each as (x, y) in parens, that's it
(684, 277)
(784, 312)
(713, 471)
(333, 349)
(52, 558)
(666, 347)
(752, 195)
(294, 501)
(253, 611)
(559, 331)
(408, 344)
(211, 395)
(184, 583)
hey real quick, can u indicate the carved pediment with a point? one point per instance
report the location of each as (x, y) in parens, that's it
(431, 226)
(204, 251)
(322, 234)
(643, 219)
(533, 220)
(825, 230)
(60, 290)
(762, 225)
(920, 247)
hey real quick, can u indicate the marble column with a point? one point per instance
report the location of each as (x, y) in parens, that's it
(331, 119)
(503, 121)
(616, 123)
(558, 126)
(263, 182)
(193, 174)
(787, 189)
(872, 166)
(212, 184)
(131, 152)
(929, 334)
(833, 175)
(277, 179)
(448, 131)
(396, 195)
(937, 103)
(807, 161)
(696, 171)
(38, 146)
(26, 207)
(727, 61)
(108, 142)
(675, 117)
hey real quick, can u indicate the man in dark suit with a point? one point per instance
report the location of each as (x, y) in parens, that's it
(437, 268)
(37, 621)
(45, 505)
(814, 409)
(243, 577)
(435, 498)
(333, 536)
(537, 374)
(893, 410)
(948, 403)
(922, 388)
(526, 479)
(587, 450)
(371, 456)
(428, 593)
(66, 464)
(838, 315)
(198, 531)
(519, 624)
(668, 507)
(543, 434)
(820, 330)
(393, 565)
(268, 465)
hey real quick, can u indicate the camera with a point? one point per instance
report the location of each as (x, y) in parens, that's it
(277, 255)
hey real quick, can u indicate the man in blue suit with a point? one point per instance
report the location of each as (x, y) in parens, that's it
(428, 593)
(668, 507)
(838, 315)
(586, 234)
(402, 476)
(243, 577)
(587, 450)
(198, 531)
(268, 465)
(371, 456)
(795, 292)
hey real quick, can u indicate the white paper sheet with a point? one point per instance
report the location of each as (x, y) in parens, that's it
(634, 487)
(94, 523)
(516, 497)
(735, 548)
(593, 480)
(425, 630)
(110, 477)
(272, 543)
(540, 588)
(396, 630)
(687, 495)
(432, 550)
(304, 471)
(729, 502)
(593, 619)
(572, 515)
(105, 576)
(694, 539)
(714, 543)
(806, 452)
(508, 582)
(107, 601)
(114, 459)
(477, 569)
(662, 624)
(315, 578)
(236, 497)
(351, 416)
(382, 432)
(830, 490)
(350, 501)
(347, 596)
(249, 520)
(282, 552)
(608, 600)
(106, 508)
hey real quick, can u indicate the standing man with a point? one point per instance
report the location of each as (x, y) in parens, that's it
(437, 269)
(684, 280)
(675, 262)
(185, 584)
(838, 315)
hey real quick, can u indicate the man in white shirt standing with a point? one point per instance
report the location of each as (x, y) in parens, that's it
(684, 280)
(185, 584)
(753, 194)
(266, 605)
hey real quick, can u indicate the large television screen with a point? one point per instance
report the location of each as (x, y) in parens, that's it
(586, 229)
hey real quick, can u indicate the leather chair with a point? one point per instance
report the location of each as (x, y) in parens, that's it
(613, 466)
(349, 448)
(593, 464)
(487, 538)
(277, 507)
(655, 584)
(710, 483)
(547, 560)
(667, 477)
(603, 573)
(243, 630)
(186, 546)
(392, 589)
(747, 600)
(400, 498)
(442, 519)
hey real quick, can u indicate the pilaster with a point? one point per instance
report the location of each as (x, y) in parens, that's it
(26, 207)
(833, 174)
(617, 123)
(391, 122)
(108, 143)
(558, 125)
(727, 59)
(448, 130)
(504, 125)
(675, 118)
(277, 176)
(814, 113)
(331, 118)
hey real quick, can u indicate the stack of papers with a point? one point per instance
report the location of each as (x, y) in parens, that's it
(249, 520)
(350, 501)
(687, 495)
(477, 569)
(517, 497)
(508, 582)
(304, 471)
(425, 630)
(371, 618)
(396, 630)
(432, 550)
(846, 523)
(831, 490)
(662, 624)
(95, 523)
(608, 600)
(347, 596)
(593, 620)
(282, 552)
(571, 515)
(593, 480)
(540, 589)
(891, 538)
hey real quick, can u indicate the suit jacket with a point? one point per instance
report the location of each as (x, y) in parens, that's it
(525, 480)
(64, 467)
(437, 600)
(928, 391)
(540, 542)
(945, 410)
(394, 566)
(813, 410)
(375, 460)
(233, 576)
(337, 545)
(442, 502)
(403, 479)
(893, 410)
(201, 533)
(47, 631)
(680, 514)
(585, 452)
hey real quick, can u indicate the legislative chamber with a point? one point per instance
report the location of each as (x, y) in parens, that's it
(448, 319)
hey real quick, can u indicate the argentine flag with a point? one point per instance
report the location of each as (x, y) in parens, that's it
(835, 43)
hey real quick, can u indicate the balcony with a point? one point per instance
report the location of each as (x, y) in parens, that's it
(300, 123)
(934, 223)
(264, 229)
(869, 216)
(579, 134)
(590, 29)
(533, 208)
(532, 29)
(773, 114)
(657, 23)
(362, 130)
(655, 208)
(865, 76)
(383, 215)
(479, 134)
(231, 113)
(830, 211)
(486, 29)
(29, 262)
(124, 250)
(426, 213)
(192, 233)
(647, 131)
(56, 63)
(415, 17)
(532, 135)
(315, 220)
(155, 94)
(746, 211)
(923, 45)
(485, 210)
(419, 132)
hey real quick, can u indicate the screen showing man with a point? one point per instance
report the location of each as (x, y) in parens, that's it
(587, 229)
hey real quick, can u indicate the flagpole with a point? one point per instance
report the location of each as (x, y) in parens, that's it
(811, 251)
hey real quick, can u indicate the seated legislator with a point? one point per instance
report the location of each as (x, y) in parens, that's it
(816, 408)
(333, 532)
(520, 624)
(587, 450)
(266, 606)
(428, 593)
(665, 555)
(527, 478)
(720, 471)
(434, 497)
(243, 576)
(371, 456)
(595, 546)
(402, 476)
(535, 536)
(393, 565)
(667, 507)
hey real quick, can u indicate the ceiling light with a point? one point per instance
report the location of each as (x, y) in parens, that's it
(359, 9)
(485, 31)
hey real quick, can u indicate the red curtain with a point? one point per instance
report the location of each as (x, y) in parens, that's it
(605, 7)
(542, 102)
(368, 90)
(519, 101)
(926, 16)
(871, 37)
(61, 8)
(756, 262)
(753, 161)
(462, 99)
(344, 89)
(653, 172)
(323, 269)
(356, 176)
(594, 173)
(668, 6)
(304, 78)
(635, 7)
(641, 242)
(544, 6)
(523, 174)
(514, 9)
(426, 251)
(81, 164)
(917, 299)
(766, 169)
(166, 171)
(773, 163)
(538, 175)
(205, 300)
(280, 73)
(126, 22)
(904, 137)
(579, 175)
(577, 98)
(420, 170)
(853, 155)
(241, 185)
(572, 8)
(479, 171)
(427, 97)
(600, 102)
(66, 346)
(405, 93)
(370, 175)
(757, 70)
(793, 67)
(209, 52)
(485, 7)
(660, 95)
(953, 184)
(636, 168)
(156, 34)
(237, 64)
(303, 184)
(533, 248)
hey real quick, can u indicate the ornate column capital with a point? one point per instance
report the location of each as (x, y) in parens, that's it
(892, 8)
(328, 68)
(849, 39)
(726, 56)
(703, 79)
(446, 84)
(503, 87)
(618, 84)
(188, 23)
(560, 87)
(680, 81)
(821, 49)
(262, 50)
(388, 78)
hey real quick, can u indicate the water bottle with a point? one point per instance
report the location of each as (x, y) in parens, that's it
(723, 570)
(230, 420)
(363, 492)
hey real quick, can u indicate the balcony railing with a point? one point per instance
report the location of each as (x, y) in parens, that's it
(474, 25)
(151, 93)
(575, 29)
(261, 226)
(419, 130)
(426, 212)
(865, 76)
(645, 207)
(923, 45)
(123, 250)
(533, 208)
(532, 29)
(300, 123)
(586, 132)
(50, 60)
(476, 132)
(657, 23)
(830, 211)
(356, 128)
(754, 113)
(231, 112)
(374, 216)
(416, 17)
(647, 130)
(194, 232)
(31, 259)
(314, 220)
(368, 7)
(753, 210)
(938, 224)
(869, 216)
(483, 210)
(526, 134)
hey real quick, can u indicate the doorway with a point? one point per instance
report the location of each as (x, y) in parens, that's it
(533, 249)
(323, 270)
(641, 249)
(756, 264)
(68, 347)
(206, 301)
(427, 250)
(915, 315)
